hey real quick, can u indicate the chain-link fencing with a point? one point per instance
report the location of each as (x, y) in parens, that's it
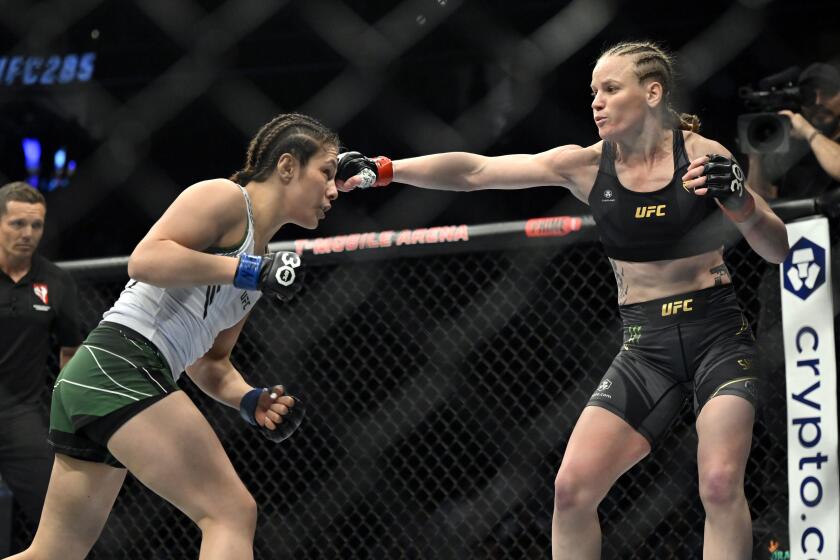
(442, 390)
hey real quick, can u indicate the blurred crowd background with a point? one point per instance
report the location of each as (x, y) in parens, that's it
(164, 93)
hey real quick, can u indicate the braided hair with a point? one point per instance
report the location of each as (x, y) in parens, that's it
(652, 62)
(292, 133)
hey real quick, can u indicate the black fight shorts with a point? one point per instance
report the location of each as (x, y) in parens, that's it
(696, 344)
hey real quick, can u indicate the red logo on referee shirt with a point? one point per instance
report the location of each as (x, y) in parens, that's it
(42, 292)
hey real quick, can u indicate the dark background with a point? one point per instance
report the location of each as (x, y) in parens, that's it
(180, 87)
(417, 456)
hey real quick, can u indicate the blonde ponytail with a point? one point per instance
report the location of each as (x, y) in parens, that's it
(684, 121)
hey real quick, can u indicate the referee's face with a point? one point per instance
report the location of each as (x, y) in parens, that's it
(21, 228)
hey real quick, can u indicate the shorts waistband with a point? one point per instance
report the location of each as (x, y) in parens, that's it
(679, 308)
(134, 336)
(130, 333)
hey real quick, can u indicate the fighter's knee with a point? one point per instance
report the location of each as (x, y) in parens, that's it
(237, 509)
(245, 509)
(571, 493)
(720, 486)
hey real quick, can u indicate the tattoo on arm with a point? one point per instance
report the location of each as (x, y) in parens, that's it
(720, 273)
(622, 286)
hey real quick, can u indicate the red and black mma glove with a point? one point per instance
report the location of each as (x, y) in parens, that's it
(725, 182)
(278, 274)
(291, 421)
(374, 172)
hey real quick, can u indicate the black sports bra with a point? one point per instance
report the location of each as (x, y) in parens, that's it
(668, 223)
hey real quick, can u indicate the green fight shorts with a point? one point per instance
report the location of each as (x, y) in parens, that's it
(115, 374)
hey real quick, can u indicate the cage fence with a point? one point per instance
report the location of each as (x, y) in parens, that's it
(442, 389)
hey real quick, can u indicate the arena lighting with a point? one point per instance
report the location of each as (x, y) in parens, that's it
(32, 154)
(61, 172)
(60, 158)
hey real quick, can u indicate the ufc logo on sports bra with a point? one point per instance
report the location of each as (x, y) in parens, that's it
(674, 307)
(648, 211)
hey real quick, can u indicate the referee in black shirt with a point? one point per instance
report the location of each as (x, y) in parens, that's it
(37, 301)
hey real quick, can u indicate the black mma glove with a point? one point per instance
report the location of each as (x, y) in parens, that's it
(291, 421)
(725, 181)
(278, 274)
(375, 172)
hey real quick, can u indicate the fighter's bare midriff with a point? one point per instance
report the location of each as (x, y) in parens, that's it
(644, 281)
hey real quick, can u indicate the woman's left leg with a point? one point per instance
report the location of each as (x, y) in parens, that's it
(724, 430)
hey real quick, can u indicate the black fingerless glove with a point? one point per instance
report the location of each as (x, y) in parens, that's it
(351, 164)
(278, 274)
(375, 172)
(725, 181)
(291, 421)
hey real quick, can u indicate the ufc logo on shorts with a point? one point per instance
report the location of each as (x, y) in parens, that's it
(745, 363)
(648, 211)
(285, 275)
(674, 307)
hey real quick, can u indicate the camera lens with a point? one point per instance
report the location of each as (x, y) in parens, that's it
(766, 133)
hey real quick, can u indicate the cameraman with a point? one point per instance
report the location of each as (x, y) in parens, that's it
(810, 168)
(813, 164)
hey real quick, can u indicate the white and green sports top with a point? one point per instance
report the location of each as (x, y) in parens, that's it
(183, 322)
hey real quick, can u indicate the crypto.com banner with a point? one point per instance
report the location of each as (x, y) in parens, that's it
(811, 376)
